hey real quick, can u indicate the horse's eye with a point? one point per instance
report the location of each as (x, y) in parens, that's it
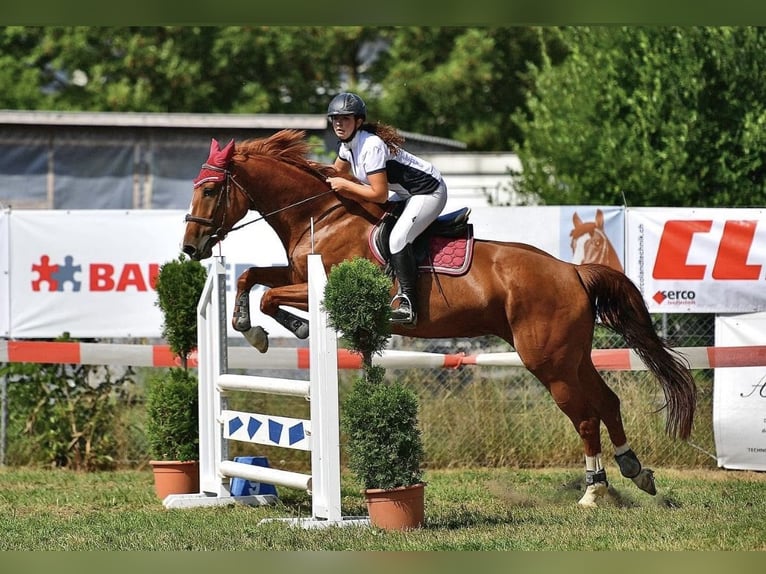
(208, 191)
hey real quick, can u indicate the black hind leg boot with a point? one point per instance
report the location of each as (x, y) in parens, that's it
(403, 305)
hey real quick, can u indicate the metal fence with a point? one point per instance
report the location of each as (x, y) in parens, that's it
(503, 416)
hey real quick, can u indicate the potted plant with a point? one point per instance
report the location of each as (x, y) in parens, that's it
(172, 425)
(379, 418)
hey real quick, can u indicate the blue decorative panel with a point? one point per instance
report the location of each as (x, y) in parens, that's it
(296, 433)
(234, 425)
(275, 431)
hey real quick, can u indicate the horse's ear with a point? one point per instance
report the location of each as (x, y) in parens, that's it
(576, 219)
(214, 147)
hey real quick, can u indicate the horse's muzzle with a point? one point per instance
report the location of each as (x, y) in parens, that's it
(191, 251)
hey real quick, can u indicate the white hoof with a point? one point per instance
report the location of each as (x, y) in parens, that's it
(592, 493)
(258, 338)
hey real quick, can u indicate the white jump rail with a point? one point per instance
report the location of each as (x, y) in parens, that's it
(218, 424)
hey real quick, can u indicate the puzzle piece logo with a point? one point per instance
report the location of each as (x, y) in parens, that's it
(55, 275)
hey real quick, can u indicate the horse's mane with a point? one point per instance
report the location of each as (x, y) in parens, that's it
(289, 146)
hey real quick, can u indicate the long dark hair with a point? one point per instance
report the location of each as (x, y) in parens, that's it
(389, 134)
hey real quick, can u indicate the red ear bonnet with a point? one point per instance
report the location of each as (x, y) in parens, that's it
(214, 168)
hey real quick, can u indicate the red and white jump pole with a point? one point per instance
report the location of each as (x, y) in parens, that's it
(300, 358)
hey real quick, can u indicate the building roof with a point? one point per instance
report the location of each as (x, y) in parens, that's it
(309, 122)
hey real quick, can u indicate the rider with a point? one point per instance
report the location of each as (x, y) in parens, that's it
(373, 154)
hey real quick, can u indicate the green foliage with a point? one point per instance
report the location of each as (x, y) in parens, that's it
(172, 425)
(460, 82)
(357, 298)
(179, 286)
(378, 417)
(456, 82)
(659, 116)
(65, 415)
(383, 440)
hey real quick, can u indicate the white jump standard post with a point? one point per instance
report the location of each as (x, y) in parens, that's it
(218, 425)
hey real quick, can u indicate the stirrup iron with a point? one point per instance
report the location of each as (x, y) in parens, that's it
(403, 313)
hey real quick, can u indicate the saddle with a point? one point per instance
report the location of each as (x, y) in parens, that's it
(446, 246)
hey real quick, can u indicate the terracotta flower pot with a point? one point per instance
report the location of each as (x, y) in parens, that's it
(398, 508)
(175, 477)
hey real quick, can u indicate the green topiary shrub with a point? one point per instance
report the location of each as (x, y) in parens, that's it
(378, 418)
(172, 425)
(179, 285)
(383, 441)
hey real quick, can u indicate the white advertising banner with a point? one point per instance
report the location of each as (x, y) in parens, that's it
(698, 260)
(739, 397)
(577, 234)
(91, 273)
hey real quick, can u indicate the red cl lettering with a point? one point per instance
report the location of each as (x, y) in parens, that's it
(674, 247)
(131, 276)
(101, 277)
(730, 262)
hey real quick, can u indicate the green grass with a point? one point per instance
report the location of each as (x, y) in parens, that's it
(479, 509)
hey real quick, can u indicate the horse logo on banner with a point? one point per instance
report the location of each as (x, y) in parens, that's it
(590, 243)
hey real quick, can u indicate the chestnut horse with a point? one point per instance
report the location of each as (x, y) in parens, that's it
(543, 307)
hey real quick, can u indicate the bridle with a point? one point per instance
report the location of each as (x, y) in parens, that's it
(223, 201)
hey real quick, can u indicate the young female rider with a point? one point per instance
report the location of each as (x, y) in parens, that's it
(373, 154)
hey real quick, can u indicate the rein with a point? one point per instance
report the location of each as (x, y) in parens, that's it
(210, 222)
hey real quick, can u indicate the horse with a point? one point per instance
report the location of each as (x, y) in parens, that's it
(543, 307)
(596, 247)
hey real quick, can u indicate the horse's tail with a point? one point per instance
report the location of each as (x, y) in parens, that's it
(619, 305)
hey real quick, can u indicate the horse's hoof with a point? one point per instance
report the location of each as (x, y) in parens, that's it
(592, 493)
(258, 338)
(645, 481)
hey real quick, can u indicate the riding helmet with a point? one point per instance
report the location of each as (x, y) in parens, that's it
(347, 103)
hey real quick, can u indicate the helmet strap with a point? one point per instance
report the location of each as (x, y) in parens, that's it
(356, 130)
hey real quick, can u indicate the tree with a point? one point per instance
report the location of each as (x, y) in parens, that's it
(197, 69)
(461, 83)
(650, 116)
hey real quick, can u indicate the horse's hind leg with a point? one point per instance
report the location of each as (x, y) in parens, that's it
(570, 398)
(607, 404)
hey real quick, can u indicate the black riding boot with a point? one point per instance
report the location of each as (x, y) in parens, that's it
(403, 305)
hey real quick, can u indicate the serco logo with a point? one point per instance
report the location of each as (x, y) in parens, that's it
(679, 297)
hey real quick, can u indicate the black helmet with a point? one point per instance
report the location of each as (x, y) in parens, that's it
(345, 104)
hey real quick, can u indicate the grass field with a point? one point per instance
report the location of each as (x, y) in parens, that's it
(480, 510)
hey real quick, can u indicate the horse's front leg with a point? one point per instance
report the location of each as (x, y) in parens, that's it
(275, 278)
